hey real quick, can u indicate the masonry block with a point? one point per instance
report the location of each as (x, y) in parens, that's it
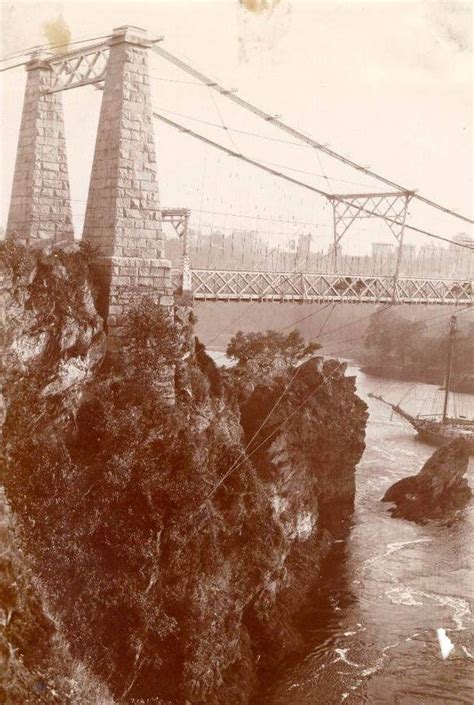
(117, 211)
(121, 289)
(123, 217)
(40, 204)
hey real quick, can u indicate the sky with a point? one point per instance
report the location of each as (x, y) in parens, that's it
(388, 84)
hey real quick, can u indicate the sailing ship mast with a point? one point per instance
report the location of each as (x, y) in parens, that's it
(445, 430)
(449, 366)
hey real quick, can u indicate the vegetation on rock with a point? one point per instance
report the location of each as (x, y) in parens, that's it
(265, 347)
(168, 583)
(38, 668)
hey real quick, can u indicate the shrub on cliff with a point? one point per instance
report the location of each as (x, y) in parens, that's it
(53, 277)
(50, 316)
(150, 337)
(265, 347)
(16, 259)
(208, 368)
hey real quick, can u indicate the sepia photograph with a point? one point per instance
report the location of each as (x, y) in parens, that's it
(237, 352)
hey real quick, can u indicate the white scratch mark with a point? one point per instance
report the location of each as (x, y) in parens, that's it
(445, 643)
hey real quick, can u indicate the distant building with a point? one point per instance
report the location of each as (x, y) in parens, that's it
(216, 239)
(408, 251)
(429, 251)
(462, 259)
(461, 239)
(304, 245)
(338, 249)
(382, 250)
(241, 238)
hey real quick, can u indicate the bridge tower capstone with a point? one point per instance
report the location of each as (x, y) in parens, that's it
(40, 204)
(123, 217)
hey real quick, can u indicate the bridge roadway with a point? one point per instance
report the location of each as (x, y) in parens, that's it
(307, 287)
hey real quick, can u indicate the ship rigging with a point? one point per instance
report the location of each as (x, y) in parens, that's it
(433, 430)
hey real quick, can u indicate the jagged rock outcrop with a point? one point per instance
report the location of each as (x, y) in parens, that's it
(50, 323)
(439, 489)
(37, 667)
(175, 546)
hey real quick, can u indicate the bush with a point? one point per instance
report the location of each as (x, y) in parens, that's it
(151, 340)
(18, 259)
(267, 346)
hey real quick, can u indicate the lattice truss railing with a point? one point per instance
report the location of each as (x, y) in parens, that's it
(390, 207)
(78, 68)
(227, 285)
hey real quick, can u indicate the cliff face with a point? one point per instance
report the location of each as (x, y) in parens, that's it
(51, 330)
(52, 340)
(37, 666)
(173, 545)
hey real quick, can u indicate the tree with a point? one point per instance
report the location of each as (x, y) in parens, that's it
(270, 345)
(151, 339)
(392, 338)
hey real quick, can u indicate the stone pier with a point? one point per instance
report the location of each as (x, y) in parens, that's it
(123, 219)
(40, 205)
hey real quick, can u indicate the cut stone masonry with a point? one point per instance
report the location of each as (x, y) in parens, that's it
(40, 205)
(123, 219)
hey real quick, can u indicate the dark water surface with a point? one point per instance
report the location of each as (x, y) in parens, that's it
(373, 636)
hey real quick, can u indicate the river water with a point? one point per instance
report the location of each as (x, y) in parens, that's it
(372, 632)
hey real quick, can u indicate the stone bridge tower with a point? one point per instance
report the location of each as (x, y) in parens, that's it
(40, 204)
(123, 218)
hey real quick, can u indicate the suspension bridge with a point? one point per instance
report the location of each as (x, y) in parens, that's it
(125, 222)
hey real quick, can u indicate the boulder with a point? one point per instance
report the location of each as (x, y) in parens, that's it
(438, 490)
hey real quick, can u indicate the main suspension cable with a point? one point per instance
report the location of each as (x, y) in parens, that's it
(298, 134)
(297, 182)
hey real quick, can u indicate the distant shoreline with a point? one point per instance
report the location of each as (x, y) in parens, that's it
(463, 385)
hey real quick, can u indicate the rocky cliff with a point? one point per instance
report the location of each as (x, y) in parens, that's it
(37, 666)
(173, 545)
(439, 489)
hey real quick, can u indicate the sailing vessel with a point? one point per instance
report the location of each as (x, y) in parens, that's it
(434, 430)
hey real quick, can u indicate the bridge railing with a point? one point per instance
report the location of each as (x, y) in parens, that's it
(302, 287)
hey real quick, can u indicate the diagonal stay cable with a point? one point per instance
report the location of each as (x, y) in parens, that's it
(272, 433)
(237, 130)
(304, 318)
(297, 182)
(223, 356)
(320, 331)
(336, 345)
(244, 450)
(223, 124)
(236, 465)
(237, 462)
(298, 134)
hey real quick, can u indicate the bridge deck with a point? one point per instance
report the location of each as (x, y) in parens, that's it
(307, 287)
